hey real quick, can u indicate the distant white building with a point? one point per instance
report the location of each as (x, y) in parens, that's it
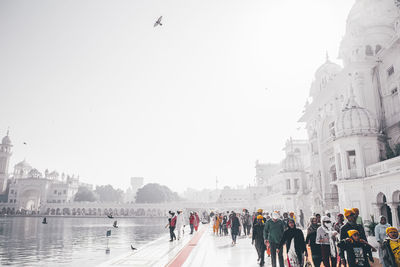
(136, 184)
(28, 189)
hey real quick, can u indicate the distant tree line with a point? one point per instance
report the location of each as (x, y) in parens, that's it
(102, 193)
(155, 193)
(150, 193)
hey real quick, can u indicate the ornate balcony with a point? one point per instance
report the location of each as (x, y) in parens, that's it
(384, 167)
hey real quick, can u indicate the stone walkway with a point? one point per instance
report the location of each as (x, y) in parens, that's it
(200, 249)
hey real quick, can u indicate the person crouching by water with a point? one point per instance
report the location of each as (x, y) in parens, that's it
(258, 239)
(357, 250)
(172, 224)
(293, 238)
(326, 237)
(273, 233)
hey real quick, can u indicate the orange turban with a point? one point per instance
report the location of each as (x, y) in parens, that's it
(352, 232)
(347, 213)
(356, 210)
(260, 210)
(391, 229)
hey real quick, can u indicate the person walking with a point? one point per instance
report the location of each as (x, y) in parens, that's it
(359, 219)
(301, 219)
(196, 221)
(235, 224)
(191, 222)
(285, 219)
(259, 212)
(172, 225)
(391, 248)
(339, 222)
(357, 250)
(352, 225)
(180, 223)
(273, 233)
(258, 239)
(380, 235)
(246, 222)
(310, 240)
(293, 238)
(326, 237)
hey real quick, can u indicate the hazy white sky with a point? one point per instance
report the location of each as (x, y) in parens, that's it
(95, 90)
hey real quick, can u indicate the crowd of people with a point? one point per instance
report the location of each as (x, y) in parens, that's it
(339, 241)
(176, 221)
(333, 242)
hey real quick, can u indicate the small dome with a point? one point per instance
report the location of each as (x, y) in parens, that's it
(23, 165)
(354, 120)
(329, 68)
(6, 140)
(292, 163)
(324, 74)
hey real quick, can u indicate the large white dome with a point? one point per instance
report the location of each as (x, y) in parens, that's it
(370, 13)
(355, 120)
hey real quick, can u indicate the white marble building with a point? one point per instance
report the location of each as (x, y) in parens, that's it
(353, 116)
(27, 189)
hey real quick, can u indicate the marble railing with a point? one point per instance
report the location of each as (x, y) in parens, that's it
(383, 167)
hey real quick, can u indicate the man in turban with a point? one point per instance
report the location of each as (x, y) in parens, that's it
(391, 248)
(258, 239)
(357, 250)
(352, 225)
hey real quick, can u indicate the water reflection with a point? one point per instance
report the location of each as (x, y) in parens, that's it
(66, 241)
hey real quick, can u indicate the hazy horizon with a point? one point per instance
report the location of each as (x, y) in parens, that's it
(95, 90)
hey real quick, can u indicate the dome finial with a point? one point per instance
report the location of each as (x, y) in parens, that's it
(352, 103)
(327, 55)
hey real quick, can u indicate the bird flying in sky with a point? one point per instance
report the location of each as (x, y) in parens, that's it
(158, 22)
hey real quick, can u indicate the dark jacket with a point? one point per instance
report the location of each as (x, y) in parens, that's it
(357, 253)
(297, 236)
(348, 227)
(258, 232)
(359, 228)
(235, 225)
(388, 256)
(315, 248)
(273, 231)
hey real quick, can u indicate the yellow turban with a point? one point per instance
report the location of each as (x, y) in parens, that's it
(391, 229)
(352, 232)
(347, 213)
(260, 217)
(260, 210)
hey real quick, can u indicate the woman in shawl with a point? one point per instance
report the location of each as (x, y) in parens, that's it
(326, 238)
(293, 238)
(310, 240)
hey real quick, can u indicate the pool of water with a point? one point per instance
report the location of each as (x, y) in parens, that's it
(25, 241)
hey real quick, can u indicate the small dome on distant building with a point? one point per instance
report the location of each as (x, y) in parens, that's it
(325, 73)
(355, 120)
(23, 165)
(292, 163)
(6, 140)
